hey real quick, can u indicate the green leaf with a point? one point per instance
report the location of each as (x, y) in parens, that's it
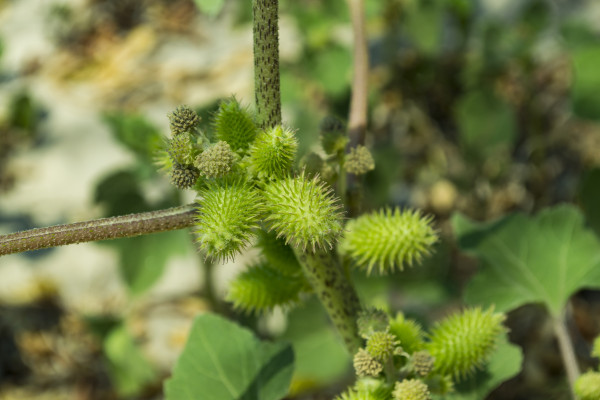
(424, 23)
(321, 357)
(504, 364)
(128, 368)
(586, 82)
(210, 7)
(143, 258)
(222, 361)
(135, 133)
(486, 123)
(542, 259)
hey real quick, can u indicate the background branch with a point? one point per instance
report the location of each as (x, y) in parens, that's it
(100, 229)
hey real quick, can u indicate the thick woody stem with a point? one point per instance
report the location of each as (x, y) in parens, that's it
(99, 229)
(267, 92)
(335, 292)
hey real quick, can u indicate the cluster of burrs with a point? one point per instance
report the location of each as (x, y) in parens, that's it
(399, 361)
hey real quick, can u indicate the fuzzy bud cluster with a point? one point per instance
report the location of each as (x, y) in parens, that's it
(216, 161)
(183, 119)
(183, 176)
(365, 364)
(411, 389)
(421, 363)
(382, 346)
(359, 161)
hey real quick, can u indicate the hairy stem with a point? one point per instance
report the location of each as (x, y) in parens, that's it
(334, 291)
(567, 351)
(267, 93)
(99, 229)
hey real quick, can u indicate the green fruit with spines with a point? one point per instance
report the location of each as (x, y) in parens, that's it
(388, 239)
(261, 288)
(303, 211)
(216, 161)
(365, 364)
(235, 125)
(464, 342)
(183, 119)
(184, 176)
(367, 388)
(228, 214)
(408, 332)
(359, 161)
(411, 389)
(587, 386)
(277, 254)
(273, 152)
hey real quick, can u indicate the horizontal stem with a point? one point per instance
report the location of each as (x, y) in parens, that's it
(100, 229)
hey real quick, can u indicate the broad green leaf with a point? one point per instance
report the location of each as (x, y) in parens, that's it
(128, 368)
(541, 259)
(210, 7)
(586, 82)
(223, 361)
(504, 364)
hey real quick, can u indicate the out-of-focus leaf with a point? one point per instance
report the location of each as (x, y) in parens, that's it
(135, 133)
(541, 259)
(424, 22)
(332, 69)
(128, 368)
(504, 364)
(321, 357)
(144, 258)
(210, 7)
(486, 123)
(222, 361)
(586, 82)
(589, 195)
(120, 194)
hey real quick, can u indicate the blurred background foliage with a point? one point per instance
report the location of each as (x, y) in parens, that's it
(483, 107)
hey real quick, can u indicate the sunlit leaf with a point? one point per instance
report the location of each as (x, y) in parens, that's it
(541, 259)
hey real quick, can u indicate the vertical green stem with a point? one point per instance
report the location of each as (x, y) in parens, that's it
(567, 351)
(266, 62)
(334, 291)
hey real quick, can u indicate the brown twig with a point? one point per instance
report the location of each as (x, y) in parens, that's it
(99, 229)
(357, 119)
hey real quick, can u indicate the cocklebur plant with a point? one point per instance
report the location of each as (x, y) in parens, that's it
(427, 364)
(248, 191)
(587, 385)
